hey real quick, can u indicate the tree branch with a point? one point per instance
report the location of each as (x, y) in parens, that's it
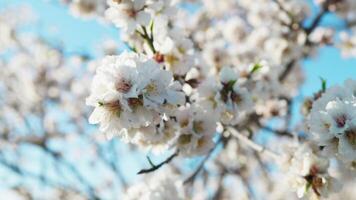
(318, 18)
(201, 165)
(252, 144)
(155, 167)
(315, 23)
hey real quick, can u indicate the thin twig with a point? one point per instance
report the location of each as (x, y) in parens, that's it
(155, 167)
(318, 18)
(201, 165)
(147, 38)
(252, 144)
(265, 171)
(287, 70)
(76, 173)
(315, 23)
(220, 188)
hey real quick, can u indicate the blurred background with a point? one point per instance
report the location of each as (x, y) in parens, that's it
(47, 148)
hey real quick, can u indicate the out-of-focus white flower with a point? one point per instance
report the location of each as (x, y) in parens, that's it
(235, 100)
(87, 8)
(322, 35)
(196, 130)
(348, 44)
(162, 186)
(128, 14)
(175, 50)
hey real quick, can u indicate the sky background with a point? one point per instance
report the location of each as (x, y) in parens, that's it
(57, 25)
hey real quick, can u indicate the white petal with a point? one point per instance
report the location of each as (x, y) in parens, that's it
(96, 116)
(143, 18)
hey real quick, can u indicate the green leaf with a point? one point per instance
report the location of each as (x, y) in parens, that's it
(256, 67)
(307, 187)
(323, 84)
(151, 27)
(150, 161)
(231, 84)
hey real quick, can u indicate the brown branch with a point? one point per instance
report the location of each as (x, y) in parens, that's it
(61, 160)
(24, 173)
(192, 177)
(315, 23)
(287, 70)
(252, 144)
(220, 189)
(155, 167)
(318, 18)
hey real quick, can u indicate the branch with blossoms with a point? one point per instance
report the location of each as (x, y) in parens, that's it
(188, 81)
(208, 83)
(37, 80)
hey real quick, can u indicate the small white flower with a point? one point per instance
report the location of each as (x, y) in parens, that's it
(162, 186)
(227, 74)
(157, 86)
(196, 131)
(128, 14)
(87, 8)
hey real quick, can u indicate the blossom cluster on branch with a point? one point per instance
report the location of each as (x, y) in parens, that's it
(202, 79)
(223, 71)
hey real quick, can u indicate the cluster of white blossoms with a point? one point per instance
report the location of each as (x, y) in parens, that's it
(130, 93)
(332, 121)
(217, 79)
(346, 10)
(228, 98)
(308, 174)
(193, 76)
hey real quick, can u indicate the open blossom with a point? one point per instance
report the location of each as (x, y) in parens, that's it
(163, 8)
(332, 121)
(157, 138)
(235, 100)
(228, 99)
(348, 44)
(130, 91)
(308, 174)
(162, 186)
(128, 14)
(175, 49)
(196, 130)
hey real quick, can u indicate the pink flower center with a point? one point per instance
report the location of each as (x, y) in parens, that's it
(341, 121)
(123, 86)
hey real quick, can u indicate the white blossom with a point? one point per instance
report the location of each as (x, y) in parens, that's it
(128, 14)
(332, 121)
(162, 186)
(308, 174)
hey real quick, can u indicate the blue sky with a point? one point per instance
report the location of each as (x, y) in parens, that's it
(57, 24)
